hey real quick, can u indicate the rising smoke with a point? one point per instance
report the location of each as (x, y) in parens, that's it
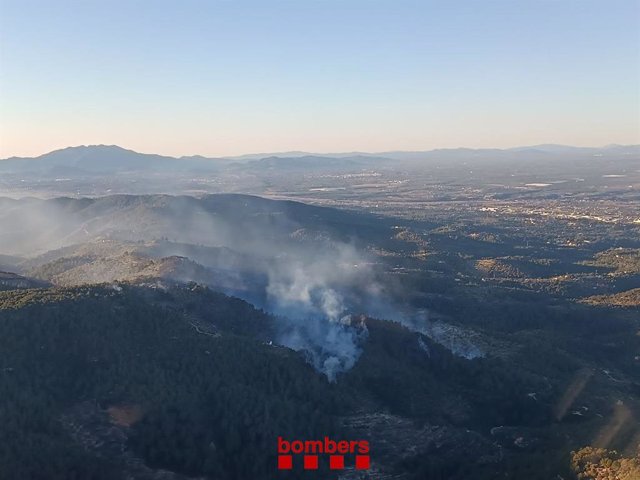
(315, 297)
(315, 284)
(252, 246)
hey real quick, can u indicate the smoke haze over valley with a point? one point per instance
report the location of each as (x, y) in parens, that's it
(285, 257)
(378, 271)
(433, 262)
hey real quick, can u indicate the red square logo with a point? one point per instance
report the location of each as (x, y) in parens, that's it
(310, 462)
(285, 462)
(362, 462)
(336, 462)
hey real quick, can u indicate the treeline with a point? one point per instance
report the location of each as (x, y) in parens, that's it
(214, 394)
(212, 405)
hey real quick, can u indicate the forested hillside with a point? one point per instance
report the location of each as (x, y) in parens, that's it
(105, 381)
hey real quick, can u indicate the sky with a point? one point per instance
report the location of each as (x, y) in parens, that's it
(223, 77)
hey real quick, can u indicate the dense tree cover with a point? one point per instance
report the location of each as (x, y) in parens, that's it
(213, 394)
(213, 404)
(590, 463)
(622, 261)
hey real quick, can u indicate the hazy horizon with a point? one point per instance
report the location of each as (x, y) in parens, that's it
(327, 153)
(228, 78)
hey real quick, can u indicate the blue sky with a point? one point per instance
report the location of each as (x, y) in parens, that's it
(231, 77)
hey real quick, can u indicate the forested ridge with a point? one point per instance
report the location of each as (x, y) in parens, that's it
(210, 402)
(191, 381)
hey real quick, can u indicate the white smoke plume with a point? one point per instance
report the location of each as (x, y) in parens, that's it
(255, 249)
(312, 294)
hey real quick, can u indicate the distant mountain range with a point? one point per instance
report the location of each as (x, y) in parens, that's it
(106, 159)
(102, 159)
